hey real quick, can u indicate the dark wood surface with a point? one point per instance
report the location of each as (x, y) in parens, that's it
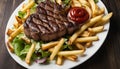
(107, 57)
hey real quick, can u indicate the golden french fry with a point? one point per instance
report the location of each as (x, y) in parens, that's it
(101, 11)
(51, 49)
(10, 47)
(59, 2)
(93, 7)
(30, 52)
(27, 40)
(85, 34)
(88, 44)
(73, 52)
(80, 46)
(84, 27)
(76, 3)
(29, 5)
(18, 20)
(59, 60)
(27, 15)
(87, 39)
(84, 2)
(96, 29)
(71, 57)
(104, 20)
(16, 32)
(56, 49)
(10, 31)
(49, 45)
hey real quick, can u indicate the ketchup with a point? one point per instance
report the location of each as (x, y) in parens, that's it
(78, 15)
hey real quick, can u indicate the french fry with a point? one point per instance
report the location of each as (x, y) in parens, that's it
(17, 31)
(59, 2)
(104, 20)
(93, 7)
(56, 49)
(10, 31)
(59, 60)
(18, 20)
(85, 34)
(49, 45)
(29, 5)
(80, 46)
(26, 39)
(51, 49)
(27, 15)
(73, 52)
(84, 2)
(96, 29)
(30, 52)
(88, 44)
(84, 27)
(16, 25)
(71, 57)
(87, 39)
(10, 46)
(76, 3)
(101, 11)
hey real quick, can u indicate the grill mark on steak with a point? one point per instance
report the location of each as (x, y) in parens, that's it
(48, 23)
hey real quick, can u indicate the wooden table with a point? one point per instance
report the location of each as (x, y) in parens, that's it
(108, 56)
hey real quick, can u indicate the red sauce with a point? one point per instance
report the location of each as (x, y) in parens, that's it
(78, 15)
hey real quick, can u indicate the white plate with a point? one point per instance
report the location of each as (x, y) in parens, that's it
(67, 64)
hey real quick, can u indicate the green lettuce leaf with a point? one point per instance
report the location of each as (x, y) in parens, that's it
(21, 14)
(96, 1)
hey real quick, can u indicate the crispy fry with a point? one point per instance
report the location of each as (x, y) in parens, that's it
(59, 2)
(104, 20)
(80, 46)
(25, 39)
(56, 49)
(73, 52)
(29, 5)
(59, 60)
(101, 11)
(10, 31)
(16, 32)
(96, 29)
(30, 52)
(93, 7)
(83, 28)
(84, 2)
(71, 57)
(87, 39)
(88, 44)
(76, 3)
(49, 45)
(85, 34)
(10, 46)
(18, 20)
(27, 15)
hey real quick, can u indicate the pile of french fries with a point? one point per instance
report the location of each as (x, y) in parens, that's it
(81, 39)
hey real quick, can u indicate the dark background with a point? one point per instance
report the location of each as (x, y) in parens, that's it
(107, 57)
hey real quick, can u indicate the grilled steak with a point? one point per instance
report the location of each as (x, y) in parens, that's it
(48, 23)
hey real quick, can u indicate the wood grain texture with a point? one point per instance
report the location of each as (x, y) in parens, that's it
(107, 57)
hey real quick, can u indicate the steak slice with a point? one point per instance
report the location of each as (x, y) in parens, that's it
(48, 23)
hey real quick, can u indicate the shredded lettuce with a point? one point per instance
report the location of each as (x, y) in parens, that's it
(33, 9)
(21, 14)
(96, 1)
(18, 44)
(44, 53)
